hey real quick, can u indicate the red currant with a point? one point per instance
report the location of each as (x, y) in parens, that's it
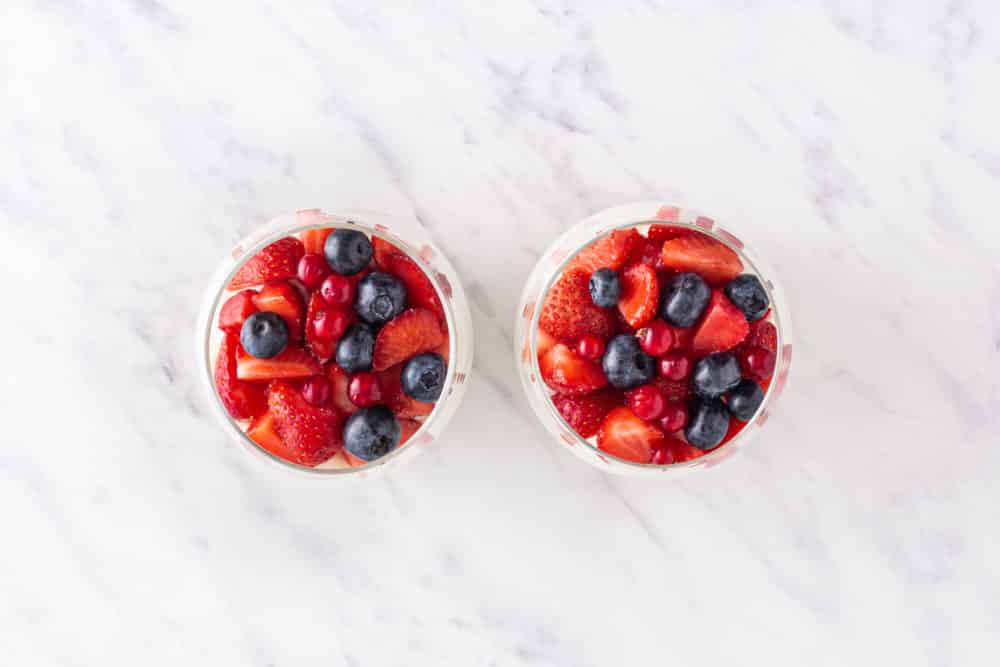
(646, 402)
(674, 417)
(656, 339)
(675, 366)
(312, 269)
(758, 362)
(590, 347)
(337, 290)
(330, 324)
(316, 390)
(364, 390)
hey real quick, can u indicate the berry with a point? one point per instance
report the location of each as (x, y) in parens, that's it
(566, 372)
(313, 240)
(585, 414)
(311, 434)
(324, 327)
(590, 347)
(543, 342)
(661, 233)
(625, 364)
(646, 402)
(277, 261)
(723, 327)
(347, 251)
(262, 431)
(236, 310)
(419, 290)
(625, 435)
(241, 399)
(656, 338)
(674, 418)
(396, 399)
(380, 298)
(339, 381)
(763, 334)
(646, 252)
(316, 390)
(744, 399)
(673, 450)
(423, 377)
(708, 423)
(371, 433)
(610, 251)
(568, 312)
(714, 261)
(757, 362)
(749, 296)
(415, 331)
(673, 390)
(684, 300)
(382, 250)
(675, 366)
(264, 335)
(640, 295)
(354, 351)
(337, 290)
(364, 390)
(311, 270)
(605, 288)
(294, 362)
(715, 374)
(283, 298)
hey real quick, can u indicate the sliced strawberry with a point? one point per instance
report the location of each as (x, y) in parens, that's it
(242, 399)
(314, 240)
(262, 431)
(722, 328)
(763, 334)
(321, 347)
(646, 252)
(339, 381)
(382, 250)
(419, 291)
(407, 429)
(277, 261)
(293, 362)
(566, 372)
(413, 331)
(711, 259)
(544, 342)
(444, 349)
(282, 298)
(674, 450)
(660, 233)
(626, 436)
(236, 310)
(569, 313)
(586, 413)
(610, 251)
(311, 434)
(640, 296)
(396, 399)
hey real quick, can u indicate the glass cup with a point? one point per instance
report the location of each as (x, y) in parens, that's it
(549, 268)
(410, 240)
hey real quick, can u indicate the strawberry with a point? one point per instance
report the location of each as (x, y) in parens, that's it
(444, 349)
(626, 436)
(646, 252)
(674, 450)
(314, 240)
(711, 259)
(660, 233)
(568, 312)
(242, 399)
(419, 291)
(722, 328)
(396, 399)
(278, 261)
(322, 346)
(339, 381)
(763, 334)
(610, 251)
(382, 250)
(586, 413)
(262, 431)
(311, 434)
(413, 331)
(566, 372)
(282, 298)
(236, 310)
(544, 342)
(640, 296)
(293, 362)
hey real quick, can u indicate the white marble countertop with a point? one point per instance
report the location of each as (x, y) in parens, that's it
(857, 148)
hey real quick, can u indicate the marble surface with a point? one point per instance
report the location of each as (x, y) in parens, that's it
(857, 147)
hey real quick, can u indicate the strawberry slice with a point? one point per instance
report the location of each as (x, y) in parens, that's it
(236, 310)
(711, 259)
(277, 261)
(419, 291)
(585, 414)
(640, 295)
(282, 298)
(311, 434)
(569, 313)
(610, 251)
(566, 372)
(396, 399)
(722, 328)
(626, 436)
(293, 362)
(339, 381)
(544, 342)
(263, 432)
(660, 233)
(413, 331)
(646, 252)
(242, 399)
(763, 334)
(382, 250)
(322, 348)
(314, 240)
(673, 450)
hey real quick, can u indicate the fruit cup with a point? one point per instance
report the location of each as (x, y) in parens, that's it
(650, 339)
(324, 328)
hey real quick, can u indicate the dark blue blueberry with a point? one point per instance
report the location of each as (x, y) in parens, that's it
(715, 374)
(264, 335)
(625, 364)
(744, 400)
(355, 349)
(371, 433)
(748, 295)
(347, 251)
(605, 288)
(380, 298)
(423, 377)
(684, 300)
(707, 424)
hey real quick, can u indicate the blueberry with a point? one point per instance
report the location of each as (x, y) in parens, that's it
(625, 364)
(744, 400)
(684, 300)
(355, 349)
(347, 251)
(748, 295)
(371, 433)
(380, 298)
(423, 377)
(715, 374)
(605, 288)
(264, 335)
(707, 424)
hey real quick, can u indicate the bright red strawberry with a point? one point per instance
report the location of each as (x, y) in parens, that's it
(586, 413)
(673, 450)
(395, 399)
(544, 342)
(626, 436)
(311, 434)
(382, 250)
(569, 313)
(660, 233)
(419, 291)
(313, 240)
(278, 261)
(722, 328)
(566, 372)
(263, 432)
(407, 429)
(236, 310)
(711, 259)
(413, 331)
(646, 252)
(324, 327)
(282, 298)
(640, 295)
(242, 399)
(763, 334)
(293, 362)
(610, 251)
(339, 383)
